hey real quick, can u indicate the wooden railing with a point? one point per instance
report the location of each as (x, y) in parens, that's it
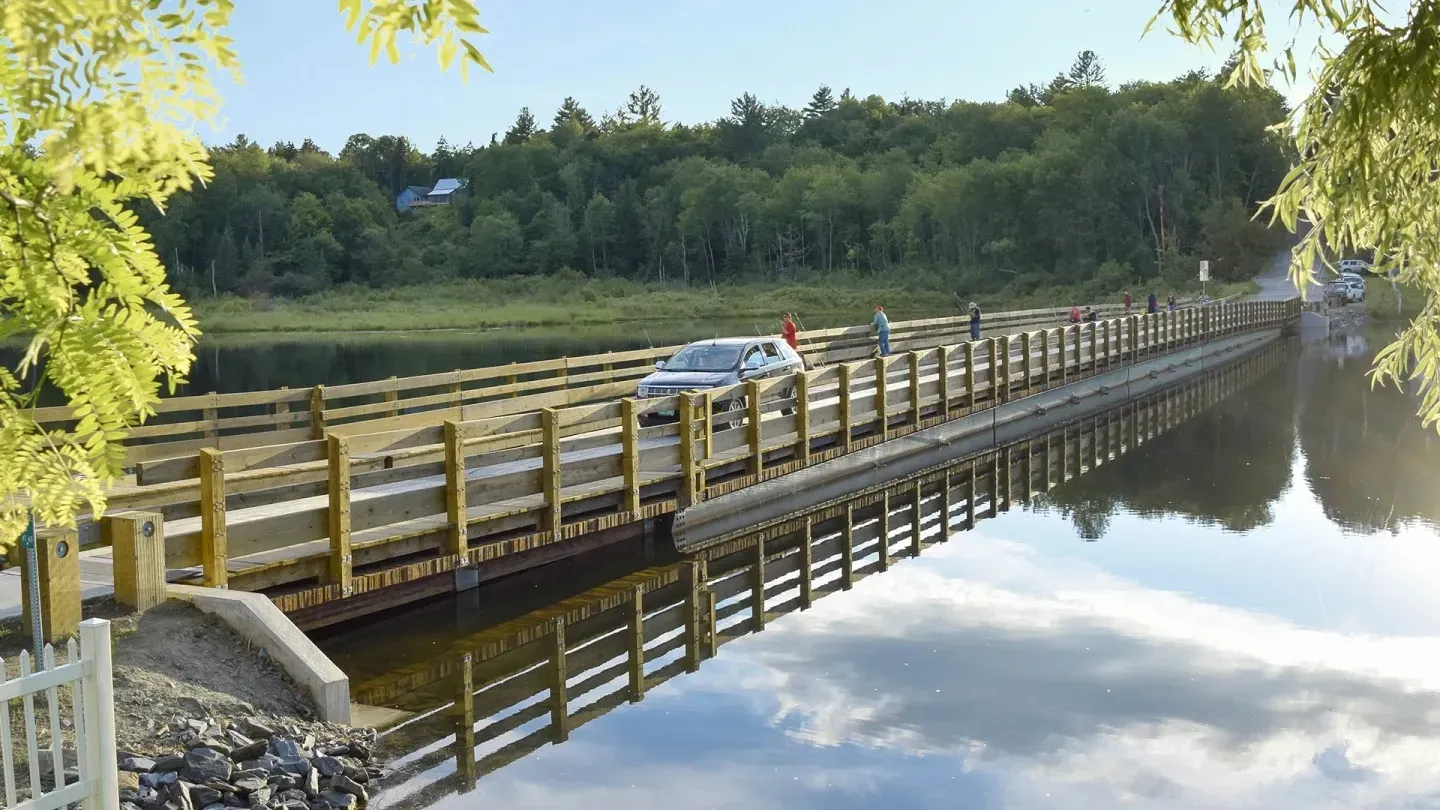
(532, 681)
(361, 512)
(185, 424)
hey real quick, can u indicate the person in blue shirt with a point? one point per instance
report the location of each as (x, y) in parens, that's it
(1153, 305)
(881, 325)
(974, 321)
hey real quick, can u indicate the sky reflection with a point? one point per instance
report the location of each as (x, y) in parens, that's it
(1169, 666)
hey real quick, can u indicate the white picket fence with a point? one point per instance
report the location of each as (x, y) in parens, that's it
(87, 676)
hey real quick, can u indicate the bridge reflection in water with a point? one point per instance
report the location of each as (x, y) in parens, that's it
(508, 690)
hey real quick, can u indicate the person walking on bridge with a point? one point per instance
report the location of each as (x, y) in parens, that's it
(1128, 301)
(881, 325)
(1152, 305)
(974, 321)
(787, 331)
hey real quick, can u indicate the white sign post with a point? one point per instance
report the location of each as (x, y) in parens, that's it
(1204, 276)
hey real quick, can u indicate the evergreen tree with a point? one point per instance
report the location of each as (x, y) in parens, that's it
(570, 110)
(820, 103)
(522, 130)
(643, 107)
(1087, 70)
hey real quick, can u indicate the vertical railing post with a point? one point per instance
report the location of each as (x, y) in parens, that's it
(280, 409)
(885, 531)
(1027, 368)
(98, 688)
(942, 356)
(1105, 336)
(881, 406)
(1079, 364)
(970, 376)
(457, 390)
(915, 519)
(636, 631)
(1062, 350)
(317, 412)
(944, 509)
(214, 548)
(1094, 329)
(847, 549)
(693, 582)
(970, 498)
(709, 427)
(1004, 349)
(392, 396)
(465, 724)
(559, 674)
(843, 389)
(630, 455)
(550, 486)
(754, 428)
(757, 587)
(341, 568)
(457, 538)
(691, 470)
(802, 417)
(807, 566)
(211, 415)
(1044, 359)
(914, 362)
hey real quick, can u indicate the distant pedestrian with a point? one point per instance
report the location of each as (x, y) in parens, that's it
(787, 331)
(1152, 304)
(1074, 312)
(1171, 303)
(1128, 301)
(1092, 314)
(881, 325)
(974, 321)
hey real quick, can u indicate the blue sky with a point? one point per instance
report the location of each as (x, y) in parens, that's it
(305, 77)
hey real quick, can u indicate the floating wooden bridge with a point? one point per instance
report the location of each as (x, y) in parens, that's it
(360, 515)
(499, 694)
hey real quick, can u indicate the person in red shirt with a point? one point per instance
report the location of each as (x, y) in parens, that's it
(787, 331)
(1074, 312)
(1128, 302)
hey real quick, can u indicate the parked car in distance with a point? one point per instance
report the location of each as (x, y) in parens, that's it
(1346, 290)
(1353, 278)
(1357, 266)
(715, 363)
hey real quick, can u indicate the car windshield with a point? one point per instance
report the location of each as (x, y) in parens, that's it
(704, 358)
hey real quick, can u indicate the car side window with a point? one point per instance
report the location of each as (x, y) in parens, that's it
(754, 358)
(772, 354)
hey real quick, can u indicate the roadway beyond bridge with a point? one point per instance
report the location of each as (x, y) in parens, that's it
(438, 492)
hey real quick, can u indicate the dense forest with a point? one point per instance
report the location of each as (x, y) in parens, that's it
(1070, 182)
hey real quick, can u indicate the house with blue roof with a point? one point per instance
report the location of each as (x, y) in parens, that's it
(442, 193)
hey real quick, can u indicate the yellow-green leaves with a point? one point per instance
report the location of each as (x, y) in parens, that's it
(430, 22)
(1367, 180)
(97, 98)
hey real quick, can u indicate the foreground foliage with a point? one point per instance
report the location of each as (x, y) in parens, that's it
(1368, 143)
(97, 101)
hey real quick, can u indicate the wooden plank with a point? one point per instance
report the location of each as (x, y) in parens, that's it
(340, 568)
(214, 552)
(847, 549)
(457, 538)
(692, 578)
(754, 427)
(802, 417)
(915, 522)
(636, 630)
(843, 390)
(690, 489)
(630, 454)
(942, 356)
(882, 412)
(757, 587)
(550, 472)
(914, 362)
(884, 531)
(807, 566)
(559, 703)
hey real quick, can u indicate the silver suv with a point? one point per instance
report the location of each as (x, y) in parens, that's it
(715, 363)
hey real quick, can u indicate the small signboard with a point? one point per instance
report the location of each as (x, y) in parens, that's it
(1204, 270)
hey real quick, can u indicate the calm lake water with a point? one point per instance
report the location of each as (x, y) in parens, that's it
(1241, 613)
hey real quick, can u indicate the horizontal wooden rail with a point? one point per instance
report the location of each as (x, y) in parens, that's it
(243, 420)
(545, 476)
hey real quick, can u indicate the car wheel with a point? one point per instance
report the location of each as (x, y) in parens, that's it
(736, 407)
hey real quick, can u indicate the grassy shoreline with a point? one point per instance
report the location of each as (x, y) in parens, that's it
(561, 301)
